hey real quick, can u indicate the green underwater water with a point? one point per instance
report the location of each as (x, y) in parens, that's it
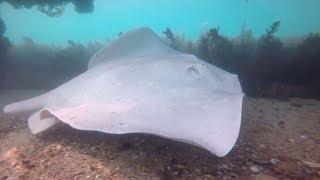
(188, 17)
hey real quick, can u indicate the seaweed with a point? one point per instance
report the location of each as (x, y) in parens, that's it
(244, 46)
(311, 44)
(203, 47)
(179, 42)
(266, 67)
(221, 46)
(269, 40)
(306, 64)
(2, 27)
(215, 48)
(269, 48)
(56, 12)
(4, 46)
(170, 36)
(83, 6)
(53, 8)
(4, 41)
(40, 66)
(270, 35)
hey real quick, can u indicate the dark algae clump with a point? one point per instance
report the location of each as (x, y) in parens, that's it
(47, 6)
(4, 46)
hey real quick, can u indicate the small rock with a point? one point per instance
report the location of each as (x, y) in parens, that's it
(179, 166)
(93, 148)
(47, 150)
(197, 170)
(224, 166)
(305, 155)
(210, 176)
(274, 161)
(254, 169)
(303, 137)
(43, 161)
(58, 147)
(282, 124)
(15, 164)
(27, 164)
(97, 176)
(110, 157)
(262, 145)
(291, 140)
(92, 168)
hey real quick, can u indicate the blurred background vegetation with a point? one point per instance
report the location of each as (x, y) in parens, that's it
(267, 66)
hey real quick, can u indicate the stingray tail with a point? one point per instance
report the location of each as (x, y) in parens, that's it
(27, 105)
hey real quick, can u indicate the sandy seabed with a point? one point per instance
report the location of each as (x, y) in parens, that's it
(279, 139)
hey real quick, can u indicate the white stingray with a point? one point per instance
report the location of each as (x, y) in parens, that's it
(137, 84)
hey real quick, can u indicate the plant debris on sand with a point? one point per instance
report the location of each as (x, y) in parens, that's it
(278, 140)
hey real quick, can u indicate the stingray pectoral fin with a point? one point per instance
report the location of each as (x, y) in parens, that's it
(222, 140)
(140, 42)
(41, 121)
(27, 105)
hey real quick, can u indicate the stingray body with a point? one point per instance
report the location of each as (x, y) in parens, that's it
(137, 84)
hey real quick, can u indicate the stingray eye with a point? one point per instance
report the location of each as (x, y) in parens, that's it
(194, 71)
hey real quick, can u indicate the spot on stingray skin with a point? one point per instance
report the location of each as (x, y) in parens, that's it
(193, 71)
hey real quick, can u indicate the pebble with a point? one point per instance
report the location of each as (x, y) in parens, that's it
(224, 166)
(210, 176)
(262, 145)
(291, 140)
(254, 169)
(303, 137)
(197, 170)
(179, 166)
(43, 161)
(58, 147)
(274, 161)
